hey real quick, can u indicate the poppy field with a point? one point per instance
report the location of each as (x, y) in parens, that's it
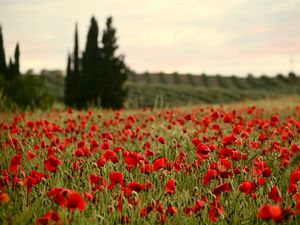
(232, 164)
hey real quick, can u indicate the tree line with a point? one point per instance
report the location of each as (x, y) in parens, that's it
(96, 77)
(16, 91)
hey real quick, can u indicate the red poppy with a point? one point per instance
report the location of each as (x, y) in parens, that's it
(133, 159)
(59, 196)
(105, 146)
(226, 187)
(75, 201)
(188, 117)
(159, 164)
(171, 211)
(52, 164)
(67, 198)
(268, 212)
(198, 206)
(215, 210)
(188, 211)
(275, 194)
(115, 178)
(4, 179)
(230, 139)
(15, 163)
(146, 169)
(196, 141)
(266, 172)
(161, 140)
(97, 182)
(298, 203)
(171, 187)
(3, 197)
(274, 120)
(203, 149)
(30, 155)
(49, 216)
(209, 175)
(143, 212)
(247, 187)
(135, 186)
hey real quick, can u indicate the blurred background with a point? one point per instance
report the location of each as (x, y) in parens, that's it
(174, 52)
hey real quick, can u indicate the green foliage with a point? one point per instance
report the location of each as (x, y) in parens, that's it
(114, 72)
(98, 78)
(26, 92)
(162, 78)
(3, 68)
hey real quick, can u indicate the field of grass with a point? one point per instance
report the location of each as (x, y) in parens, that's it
(229, 164)
(167, 90)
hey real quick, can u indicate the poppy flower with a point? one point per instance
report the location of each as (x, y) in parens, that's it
(171, 211)
(59, 196)
(226, 187)
(132, 159)
(196, 141)
(209, 175)
(15, 163)
(135, 186)
(203, 149)
(143, 212)
(230, 139)
(75, 201)
(30, 155)
(274, 120)
(159, 164)
(171, 187)
(275, 194)
(199, 204)
(266, 172)
(67, 198)
(188, 211)
(188, 117)
(146, 169)
(215, 210)
(268, 212)
(115, 178)
(52, 164)
(105, 146)
(3, 197)
(49, 216)
(161, 140)
(247, 187)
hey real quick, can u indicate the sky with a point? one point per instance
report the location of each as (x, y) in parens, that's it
(228, 37)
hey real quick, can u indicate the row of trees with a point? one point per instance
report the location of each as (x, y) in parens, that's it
(16, 91)
(96, 76)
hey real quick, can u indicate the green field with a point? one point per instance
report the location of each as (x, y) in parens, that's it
(163, 90)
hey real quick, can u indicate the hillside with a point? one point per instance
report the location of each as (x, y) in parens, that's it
(159, 90)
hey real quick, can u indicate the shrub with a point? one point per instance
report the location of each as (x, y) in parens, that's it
(29, 92)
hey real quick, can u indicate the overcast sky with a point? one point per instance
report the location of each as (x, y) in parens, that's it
(188, 36)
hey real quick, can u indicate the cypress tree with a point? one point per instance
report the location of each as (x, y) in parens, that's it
(3, 68)
(76, 78)
(68, 85)
(89, 89)
(76, 53)
(114, 70)
(10, 70)
(17, 61)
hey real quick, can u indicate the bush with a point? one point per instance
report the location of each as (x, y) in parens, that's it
(29, 92)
